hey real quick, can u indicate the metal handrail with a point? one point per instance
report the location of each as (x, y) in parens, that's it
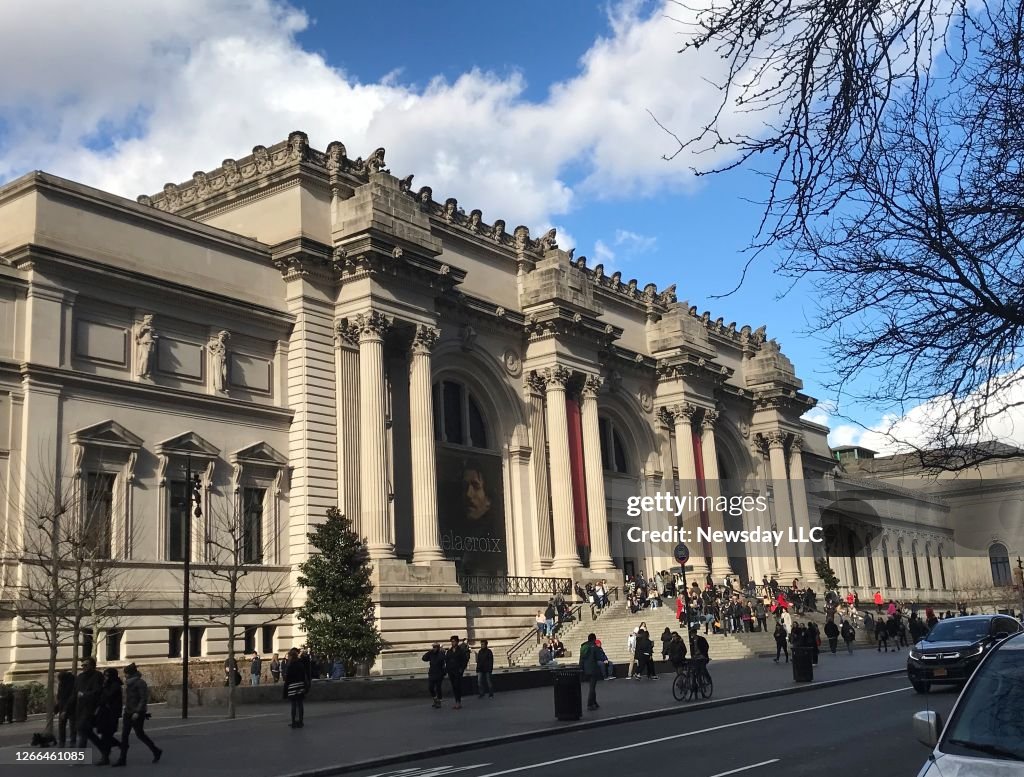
(510, 585)
(576, 611)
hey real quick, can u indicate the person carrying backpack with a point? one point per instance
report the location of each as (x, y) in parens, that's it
(848, 634)
(592, 659)
(832, 635)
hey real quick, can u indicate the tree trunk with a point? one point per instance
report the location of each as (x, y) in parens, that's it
(51, 672)
(231, 652)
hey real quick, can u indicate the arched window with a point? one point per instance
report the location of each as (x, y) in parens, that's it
(942, 567)
(869, 556)
(885, 563)
(613, 452)
(928, 564)
(851, 541)
(903, 565)
(457, 416)
(1000, 561)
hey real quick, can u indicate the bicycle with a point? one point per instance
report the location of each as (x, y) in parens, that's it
(692, 680)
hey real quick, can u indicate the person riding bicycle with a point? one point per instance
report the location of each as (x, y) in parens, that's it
(677, 651)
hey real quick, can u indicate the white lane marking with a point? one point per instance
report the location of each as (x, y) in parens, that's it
(429, 771)
(648, 742)
(745, 768)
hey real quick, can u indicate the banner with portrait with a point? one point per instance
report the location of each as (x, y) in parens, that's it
(471, 511)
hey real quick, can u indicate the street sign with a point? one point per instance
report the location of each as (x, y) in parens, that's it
(681, 553)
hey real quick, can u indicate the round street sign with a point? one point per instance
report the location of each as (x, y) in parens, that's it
(681, 553)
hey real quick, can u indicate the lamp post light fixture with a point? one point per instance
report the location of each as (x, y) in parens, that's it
(194, 496)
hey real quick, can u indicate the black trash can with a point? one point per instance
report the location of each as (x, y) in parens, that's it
(20, 705)
(803, 664)
(568, 693)
(6, 704)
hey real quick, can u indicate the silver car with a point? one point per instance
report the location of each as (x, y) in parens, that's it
(985, 733)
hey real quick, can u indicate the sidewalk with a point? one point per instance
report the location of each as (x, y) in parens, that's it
(259, 741)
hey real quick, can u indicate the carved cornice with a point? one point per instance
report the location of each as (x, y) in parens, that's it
(783, 399)
(303, 257)
(688, 365)
(555, 321)
(425, 339)
(372, 326)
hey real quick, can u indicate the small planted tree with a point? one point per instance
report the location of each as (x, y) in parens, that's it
(827, 574)
(338, 615)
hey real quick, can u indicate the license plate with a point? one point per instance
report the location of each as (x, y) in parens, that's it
(939, 673)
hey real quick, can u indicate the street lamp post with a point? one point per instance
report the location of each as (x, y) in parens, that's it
(1020, 584)
(194, 494)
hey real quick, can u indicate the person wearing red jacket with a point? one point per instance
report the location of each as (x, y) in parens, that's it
(879, 600)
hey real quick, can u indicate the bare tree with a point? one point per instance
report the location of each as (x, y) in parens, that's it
(892, 145)
(234, 583)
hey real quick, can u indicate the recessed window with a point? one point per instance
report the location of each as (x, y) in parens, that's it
(249, 641)
(195, 641)
(99, 514)
(174, 642)
(114, 639)
(177, 521)
(457, 416)
(268, 638)
(613, 451)
(252, 525)
(1000, 561)
(87, 642)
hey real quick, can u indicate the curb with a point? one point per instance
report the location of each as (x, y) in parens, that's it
(479, 744)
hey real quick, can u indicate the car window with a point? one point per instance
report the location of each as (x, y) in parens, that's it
(957, 630)
(988, 718)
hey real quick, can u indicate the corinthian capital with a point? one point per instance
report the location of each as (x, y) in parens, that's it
(425, 339)
(776, 440)
(796, 445)
(707, 423)
(555, 378)
(535, 382)
(346, 332)
(683, 413)
(591, 386)
(372, 325)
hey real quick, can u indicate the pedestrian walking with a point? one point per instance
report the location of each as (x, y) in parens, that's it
(65, 707)
(275, 668)
(296, 686)
(255, 669)
(136, 712)
(882, 635)
(666, 639)
(88, 685)
(549, 619)
(832, 635)
(456, 661)
(592, 659)
(435, 673)
(484, 668)
(108, 715)
(848, 634)
(780, 641)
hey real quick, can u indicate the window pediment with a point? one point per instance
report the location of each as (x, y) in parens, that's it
(185, 445)
(259, 458)
(109, 434)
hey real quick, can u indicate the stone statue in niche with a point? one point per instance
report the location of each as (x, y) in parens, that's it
(145, 347)
(218, 350)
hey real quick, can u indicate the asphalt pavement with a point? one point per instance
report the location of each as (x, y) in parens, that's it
(340, 734)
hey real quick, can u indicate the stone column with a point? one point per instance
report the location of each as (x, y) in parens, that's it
(566, 556)
(682, 421)
(535, 387)
(426, 534)
(347, 366)
(788, 567)
(600, 555)
(716, 521)
(801, 515)
(375, 515)
(935, 579)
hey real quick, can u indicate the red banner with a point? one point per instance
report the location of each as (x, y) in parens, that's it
(702, 487)
(579, 479)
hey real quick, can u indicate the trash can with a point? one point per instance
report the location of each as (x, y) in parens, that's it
(803, 664)
(20, 705)
(6, 704)
(568, 693)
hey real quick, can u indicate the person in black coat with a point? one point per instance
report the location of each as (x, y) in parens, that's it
(832, 634)
(108, 715)
(780, 642)
(65, 706)
(435, 672)
(88, 685)
(645, 655)
(456, 661)
(296, 686)
(484, 668)
(666, 640)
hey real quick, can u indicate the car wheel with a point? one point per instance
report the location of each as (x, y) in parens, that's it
(920, 687)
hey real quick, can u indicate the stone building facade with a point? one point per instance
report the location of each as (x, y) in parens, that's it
(306, 330)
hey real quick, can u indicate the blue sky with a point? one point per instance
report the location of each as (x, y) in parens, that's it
(534, 111)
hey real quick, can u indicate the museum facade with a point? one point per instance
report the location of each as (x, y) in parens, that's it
(305, 330)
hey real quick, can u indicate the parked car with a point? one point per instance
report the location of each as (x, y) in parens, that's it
(985, 733)
(954, 647)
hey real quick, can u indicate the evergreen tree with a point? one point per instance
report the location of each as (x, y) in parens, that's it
(338, 614)
(827, 574)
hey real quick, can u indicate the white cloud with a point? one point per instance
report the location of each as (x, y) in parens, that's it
(129, 96)
(603, 254)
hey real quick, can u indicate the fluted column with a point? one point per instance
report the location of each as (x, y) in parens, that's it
(682, 421)
(934, 580)
(426, 534)
(535, 388)
(801, 514)
(788, 567)
(716, 521)
(375, 515)
(347, 382)
(600, 554)
(566, 555)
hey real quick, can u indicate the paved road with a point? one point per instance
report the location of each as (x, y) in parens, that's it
(261, 744)
(857, 729)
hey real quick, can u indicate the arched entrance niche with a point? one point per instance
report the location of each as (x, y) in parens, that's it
(483, 491)
(623, 424)
(737, 477)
